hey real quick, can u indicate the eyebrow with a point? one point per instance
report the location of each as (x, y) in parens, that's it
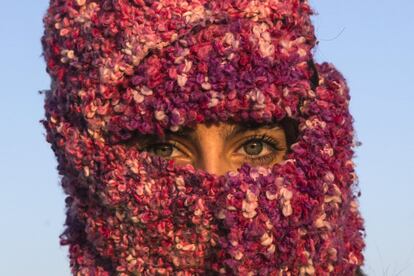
(228, 132)
(237, 129)
(183, 133)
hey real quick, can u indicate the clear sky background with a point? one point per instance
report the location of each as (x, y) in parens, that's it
(370, 41)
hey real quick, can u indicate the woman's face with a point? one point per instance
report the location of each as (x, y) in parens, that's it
(220, 147)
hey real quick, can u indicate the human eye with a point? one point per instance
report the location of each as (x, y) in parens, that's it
(261, 150)
(163, 149)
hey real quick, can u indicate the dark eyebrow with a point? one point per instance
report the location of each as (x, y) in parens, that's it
(184, 132)
(238, 128)
(229, 132)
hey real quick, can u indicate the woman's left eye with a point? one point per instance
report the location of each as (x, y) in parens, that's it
(260, 150)
(253, 147)
(258, 146)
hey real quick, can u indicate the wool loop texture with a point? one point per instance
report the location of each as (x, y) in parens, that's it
(120, 68)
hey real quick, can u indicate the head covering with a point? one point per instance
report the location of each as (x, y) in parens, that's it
(125, 67)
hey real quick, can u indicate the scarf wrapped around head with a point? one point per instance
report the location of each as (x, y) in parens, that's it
(121, 68)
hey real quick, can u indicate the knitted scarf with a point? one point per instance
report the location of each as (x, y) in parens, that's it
(122, 68)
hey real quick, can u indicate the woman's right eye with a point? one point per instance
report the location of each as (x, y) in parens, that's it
(161, 149)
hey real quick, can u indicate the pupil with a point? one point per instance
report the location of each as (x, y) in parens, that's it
(253, 148)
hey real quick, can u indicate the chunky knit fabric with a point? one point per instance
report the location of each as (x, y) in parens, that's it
(121, 68)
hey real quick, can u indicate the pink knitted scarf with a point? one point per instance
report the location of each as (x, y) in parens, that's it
(120, 68)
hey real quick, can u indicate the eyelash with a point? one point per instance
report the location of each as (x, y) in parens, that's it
(267, 140)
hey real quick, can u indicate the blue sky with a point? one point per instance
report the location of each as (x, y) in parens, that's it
(370, 41)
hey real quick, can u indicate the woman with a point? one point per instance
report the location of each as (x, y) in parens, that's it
(199, 137)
